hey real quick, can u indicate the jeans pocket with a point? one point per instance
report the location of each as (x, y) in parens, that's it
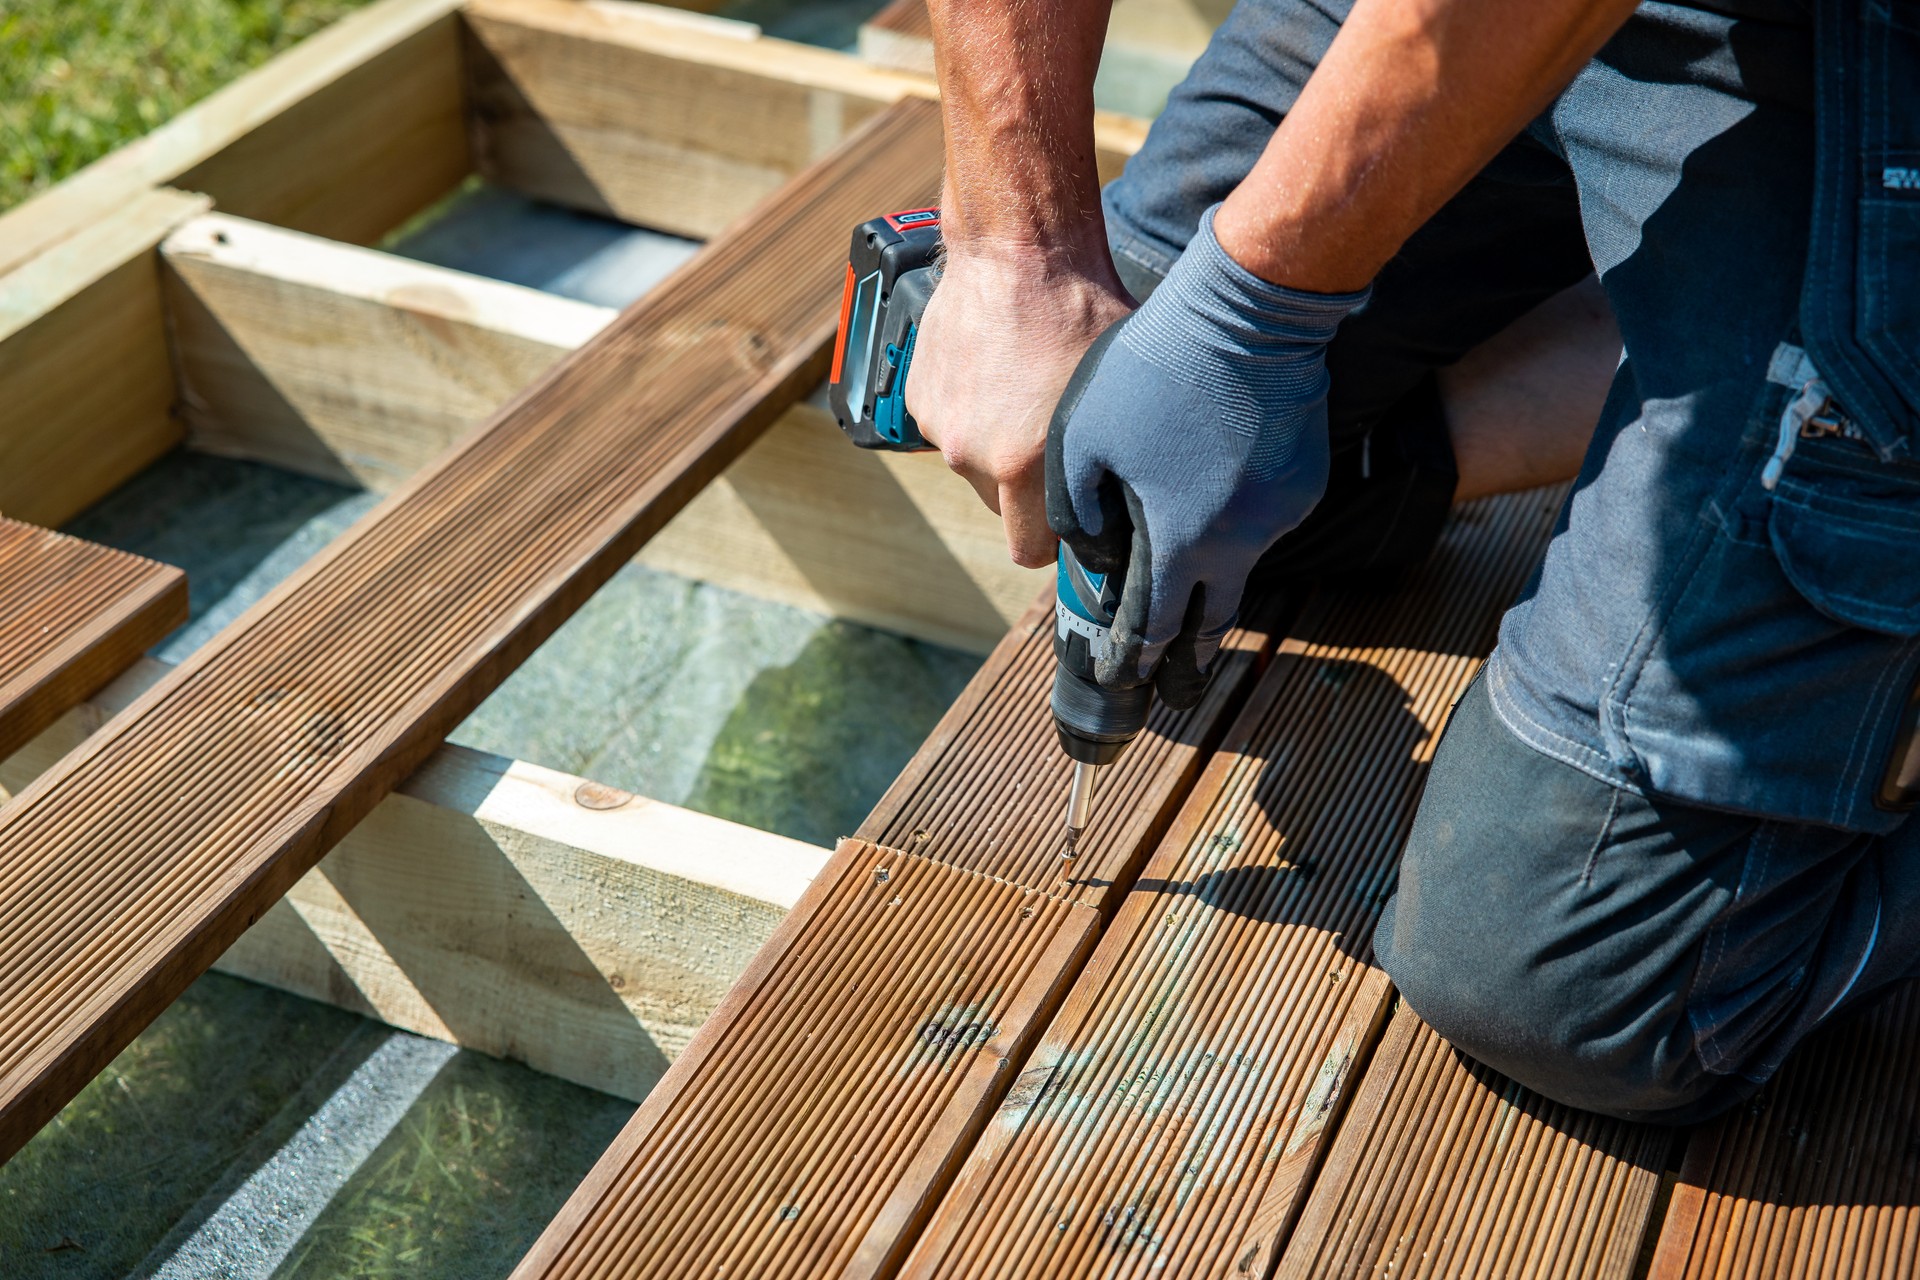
(1845, 531)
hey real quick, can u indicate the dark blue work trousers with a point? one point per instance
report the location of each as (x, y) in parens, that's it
(1653, 852)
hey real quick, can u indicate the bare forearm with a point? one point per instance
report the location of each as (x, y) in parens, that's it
(1016, 84)
(1413, 97)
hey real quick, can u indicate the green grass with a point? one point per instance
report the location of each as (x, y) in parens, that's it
(81, 77)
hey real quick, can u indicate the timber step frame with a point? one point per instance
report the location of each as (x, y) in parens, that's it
(213, 284)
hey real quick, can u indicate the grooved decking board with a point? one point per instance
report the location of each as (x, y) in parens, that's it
(131, 865)
(73, 616)
(808, 1125)
(1172, 1115)
(980, 807)
(1819, 1174)
(1444, 1168)
(987, 790)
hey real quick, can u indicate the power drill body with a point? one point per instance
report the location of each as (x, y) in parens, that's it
(891, 270)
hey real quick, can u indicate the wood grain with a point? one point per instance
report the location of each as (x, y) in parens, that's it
(979, 808)
(72, 617)
(1818, 1176)
(364, 367)
(510, 909)
(986, 790)
(664, 118)
(1171, 1118)
(345, 363)
(1444, 1168)
(86, 391)
(900, 37)
(131, 865)
(810, 1124)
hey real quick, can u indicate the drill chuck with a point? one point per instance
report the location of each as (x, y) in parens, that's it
(1095, 723)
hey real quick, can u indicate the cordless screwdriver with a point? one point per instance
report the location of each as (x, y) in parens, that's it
(891, 270)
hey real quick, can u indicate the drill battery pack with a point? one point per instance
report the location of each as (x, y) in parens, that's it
(891, 270)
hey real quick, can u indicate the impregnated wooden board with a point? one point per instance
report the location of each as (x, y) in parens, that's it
(1818, 1176)
(1443, 1168)
(987, 790)
(808, 1126)
(1170, 1119)
(132, 864)
(73, 616)
(980, 809)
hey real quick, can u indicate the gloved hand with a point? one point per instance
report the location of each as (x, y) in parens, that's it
(1192, 435)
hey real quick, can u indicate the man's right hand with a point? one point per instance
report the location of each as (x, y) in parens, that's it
(999, 340)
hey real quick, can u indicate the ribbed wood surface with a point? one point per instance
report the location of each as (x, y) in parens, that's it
(807, 1126)
(1170, 1117)
(1819, 1174)
(1443, 1168)
(983, 802)
(73, 616)
(988, 789)
(127, 868)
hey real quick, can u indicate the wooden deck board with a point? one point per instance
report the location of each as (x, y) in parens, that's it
(1443, 1168)
(987, 788)
(73, 616)
(1818, 1176)
(133, 864)
(1172, 1116)
(981, 804)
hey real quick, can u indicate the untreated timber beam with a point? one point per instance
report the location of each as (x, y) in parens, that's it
(72, 617)
(1173, 1114)
(823, 1109)
(511, 909)
(361, 366)
(133, 863)
(666, 119)
(85, 387)
(1818, 1176)
(347, 134)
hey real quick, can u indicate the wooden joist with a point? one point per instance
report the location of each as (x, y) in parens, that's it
(72, 617)
(1444, 1168)
(85, 387)
(1177, 1106)
(900, 37)
(511, 909)
(360, 366)
(806, 1188)
(1818, 1176)
(668, 119)
(130, 866)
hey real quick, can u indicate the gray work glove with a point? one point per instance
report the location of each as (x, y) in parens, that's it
(1191, 436)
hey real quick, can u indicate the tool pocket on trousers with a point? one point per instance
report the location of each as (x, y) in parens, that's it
(1846, 531)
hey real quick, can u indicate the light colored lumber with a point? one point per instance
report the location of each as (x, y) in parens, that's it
(512, 909)
(72, 616)
(900, 38)
(85, 386)
(346, 135)
(1818, 1176)
(1172, 1116)
(132, 864)
(821, 1112)
(1444, 1168)
(364, 367)
(666, 119)
(347, 363)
